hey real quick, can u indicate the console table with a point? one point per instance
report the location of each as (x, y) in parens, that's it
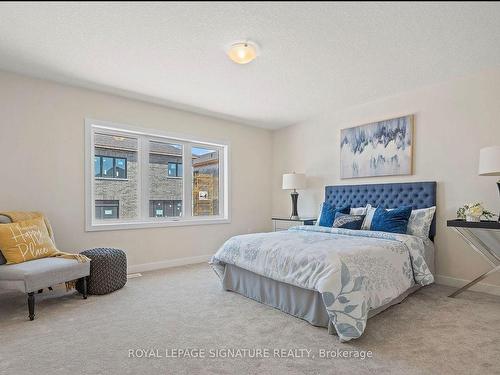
(484, 238)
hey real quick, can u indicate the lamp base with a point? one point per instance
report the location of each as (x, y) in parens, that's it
(295, 197)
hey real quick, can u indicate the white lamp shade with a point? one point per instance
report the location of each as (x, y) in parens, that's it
(294, 181)
(489, 161)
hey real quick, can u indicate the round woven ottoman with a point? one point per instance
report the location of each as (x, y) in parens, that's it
(108, 271)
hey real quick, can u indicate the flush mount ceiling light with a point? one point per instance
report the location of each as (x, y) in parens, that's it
(242, 52)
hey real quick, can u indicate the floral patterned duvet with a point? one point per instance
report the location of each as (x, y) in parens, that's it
(354, 271)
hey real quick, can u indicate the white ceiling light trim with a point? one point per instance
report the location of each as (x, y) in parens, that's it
(242, 52)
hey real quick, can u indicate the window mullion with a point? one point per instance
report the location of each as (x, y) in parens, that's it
(187, 181)
(90, 209)
(221, 182)
(143, 184)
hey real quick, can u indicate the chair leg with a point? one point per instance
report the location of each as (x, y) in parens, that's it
(84, 281)
(31, 305)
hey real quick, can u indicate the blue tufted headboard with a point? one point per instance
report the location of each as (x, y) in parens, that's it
(415, 194)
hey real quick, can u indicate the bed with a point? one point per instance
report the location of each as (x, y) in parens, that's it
(332, 277)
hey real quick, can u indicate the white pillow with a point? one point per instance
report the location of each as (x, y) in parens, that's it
(367, 223)
(420, 222)
(359, 210)
(319, 214)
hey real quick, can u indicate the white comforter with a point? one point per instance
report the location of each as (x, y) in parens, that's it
(353, 270)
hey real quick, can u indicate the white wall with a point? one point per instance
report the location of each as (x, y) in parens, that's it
(42, 167)
(42, 147)
(452, 122)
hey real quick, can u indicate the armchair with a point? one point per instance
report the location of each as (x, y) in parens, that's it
(35, 275)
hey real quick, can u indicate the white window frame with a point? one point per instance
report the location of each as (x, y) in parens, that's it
(144, 221)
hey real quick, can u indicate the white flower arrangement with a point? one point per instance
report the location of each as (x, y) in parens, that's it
(474, 212)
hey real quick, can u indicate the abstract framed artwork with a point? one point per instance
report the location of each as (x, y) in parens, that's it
(382, 148)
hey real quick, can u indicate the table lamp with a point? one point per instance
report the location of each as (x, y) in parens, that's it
(294, 181)
(489, 163)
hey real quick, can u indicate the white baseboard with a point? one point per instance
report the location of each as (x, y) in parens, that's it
(168, 263)
(458, 283)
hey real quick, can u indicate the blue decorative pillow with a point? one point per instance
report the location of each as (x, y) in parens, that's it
(348, 221)
(393, 221)
(328, 214)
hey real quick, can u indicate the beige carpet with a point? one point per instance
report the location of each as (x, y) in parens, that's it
(185, 308)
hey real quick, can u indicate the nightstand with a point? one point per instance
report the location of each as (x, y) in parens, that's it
(283, 223)
(484, 238)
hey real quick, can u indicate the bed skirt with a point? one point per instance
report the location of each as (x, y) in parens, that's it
(302, 303)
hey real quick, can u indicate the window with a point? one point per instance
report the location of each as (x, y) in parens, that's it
(143, 178)
(163, 189)
(174, 169)
(97, 166)
(120, 168)
(205, 181)
(110, 167)
(115, 175)
(106, 209)
(165, 208)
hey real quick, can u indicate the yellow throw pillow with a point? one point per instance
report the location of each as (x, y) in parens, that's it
(25, 240)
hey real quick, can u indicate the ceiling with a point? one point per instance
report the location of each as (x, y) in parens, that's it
(313, 56)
